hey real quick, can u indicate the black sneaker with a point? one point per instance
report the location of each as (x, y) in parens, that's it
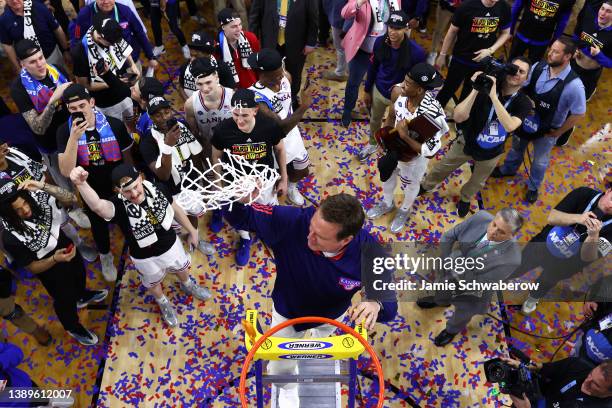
(463, 208)
(531, 196)
(84, 336)
(564, 138)
(92, 296)
(496, 173)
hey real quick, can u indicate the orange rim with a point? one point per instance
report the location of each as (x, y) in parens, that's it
(311, 319)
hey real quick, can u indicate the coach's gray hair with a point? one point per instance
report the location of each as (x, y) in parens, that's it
(512, 217)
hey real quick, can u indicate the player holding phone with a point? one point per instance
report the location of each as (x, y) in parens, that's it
(32, 220)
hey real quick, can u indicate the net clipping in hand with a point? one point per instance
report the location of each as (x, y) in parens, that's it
(226, 182)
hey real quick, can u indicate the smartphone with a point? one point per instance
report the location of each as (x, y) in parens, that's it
(100, 66)
(77, 116)
(170, 123)
(69, 248)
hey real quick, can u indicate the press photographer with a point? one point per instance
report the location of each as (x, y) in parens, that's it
(571, 382)
(493, 109)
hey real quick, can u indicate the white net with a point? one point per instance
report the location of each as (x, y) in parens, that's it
(224, 183)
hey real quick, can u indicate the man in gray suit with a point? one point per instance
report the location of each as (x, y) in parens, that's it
(484, 236)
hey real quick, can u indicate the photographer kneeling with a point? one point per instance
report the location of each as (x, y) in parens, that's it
(484, 119)
(571, 382)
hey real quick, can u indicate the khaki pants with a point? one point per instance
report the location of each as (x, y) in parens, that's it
(237, 5)
(379, 106)
(16, 315)
(451, 161)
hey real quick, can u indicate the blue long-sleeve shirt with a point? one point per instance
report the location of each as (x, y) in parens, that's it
(307, 283)
(10, 357)
(385, 73)
(132, 29)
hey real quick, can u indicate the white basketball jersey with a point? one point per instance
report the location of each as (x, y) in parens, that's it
(280, 103)
(206, 118)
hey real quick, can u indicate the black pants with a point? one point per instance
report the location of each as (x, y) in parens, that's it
(294, 64)
(534, 52)
(60, 15)
(99, 231)
(554, 270)
(172, 13)
(457, 73)
(65, 283)
(324, 25)
(191, 7)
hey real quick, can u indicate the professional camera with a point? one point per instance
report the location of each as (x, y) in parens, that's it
(513, 380)
(495, 68)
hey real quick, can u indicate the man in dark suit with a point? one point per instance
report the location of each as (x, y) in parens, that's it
(484, 236)
(290, 26)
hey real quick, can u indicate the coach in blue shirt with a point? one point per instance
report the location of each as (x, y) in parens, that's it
(47, 31)
(558, 94)
(132, 29)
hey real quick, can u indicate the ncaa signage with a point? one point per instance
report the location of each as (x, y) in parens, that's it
(305, 345)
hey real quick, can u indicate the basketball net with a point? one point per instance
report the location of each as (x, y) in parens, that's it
(225, 183)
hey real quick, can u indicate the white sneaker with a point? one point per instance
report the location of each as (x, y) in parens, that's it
(529, 305)
(109, 271)
(431, 58)
(186, 52)
(87, 252)
(168, 313)
(80, 218)
(295, 197)
(159, 50)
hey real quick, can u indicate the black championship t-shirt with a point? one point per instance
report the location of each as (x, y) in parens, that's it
(478, 26)
(560, 382)
(117, 90)
(575, 203)
(99, 169)
(540, 17)
(255, 146)
(165, 239)
(19, 173)
(485, 140)
(24, 104)
(22, 255)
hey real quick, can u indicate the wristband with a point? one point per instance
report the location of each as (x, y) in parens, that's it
(443, 54)
(165, 149)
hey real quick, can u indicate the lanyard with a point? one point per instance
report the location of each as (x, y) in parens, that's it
(591, 205)
(493, 108)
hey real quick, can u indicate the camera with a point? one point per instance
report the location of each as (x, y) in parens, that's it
(495, 68)
(513, 380)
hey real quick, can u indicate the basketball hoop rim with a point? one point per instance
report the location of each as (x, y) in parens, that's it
(310, 319)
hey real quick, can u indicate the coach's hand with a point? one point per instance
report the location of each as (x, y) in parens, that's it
(366, 312)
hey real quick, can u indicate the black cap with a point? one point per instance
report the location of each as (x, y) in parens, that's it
(202, 41)
(75, 92)
(26, 48)
(150, 87)
(227, 15)
(426, 76)
(108, 28)
(398, 19)
(244, 98)
(203, 67)
(267, 59)
(157, 103)
(8, 188)
(124, 170)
